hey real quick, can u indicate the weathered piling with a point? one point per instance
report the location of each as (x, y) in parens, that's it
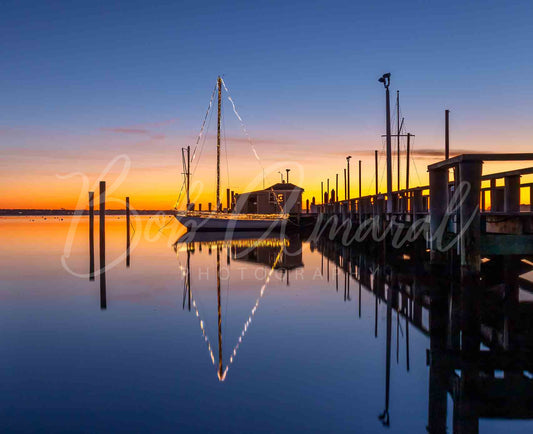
(91, 235)
(348, 176)
(337, 196)
(470, 175)
(447, 134)
(127, 231)
(103, 301)
(359, 178)
(407, 158)
(438, 186)
(511, 201)
(376, 169)
(345, 192)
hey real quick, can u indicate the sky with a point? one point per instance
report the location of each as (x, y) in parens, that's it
(86, 84)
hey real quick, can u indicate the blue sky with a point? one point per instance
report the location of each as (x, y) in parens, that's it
(298, 70)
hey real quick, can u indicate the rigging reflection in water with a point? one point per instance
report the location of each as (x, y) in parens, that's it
(282, 254)
(480, 333)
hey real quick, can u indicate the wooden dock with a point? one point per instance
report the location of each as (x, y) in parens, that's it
(446, 209)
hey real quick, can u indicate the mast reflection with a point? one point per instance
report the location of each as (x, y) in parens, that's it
(282, 254)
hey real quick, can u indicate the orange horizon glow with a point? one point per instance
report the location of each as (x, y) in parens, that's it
(33, 179)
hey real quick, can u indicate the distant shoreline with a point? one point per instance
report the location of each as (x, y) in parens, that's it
(70, 212)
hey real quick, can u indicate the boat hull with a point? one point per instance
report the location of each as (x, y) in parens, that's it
(203, 224)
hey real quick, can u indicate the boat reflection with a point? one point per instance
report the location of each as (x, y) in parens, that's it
(480, 333)
(277, 253)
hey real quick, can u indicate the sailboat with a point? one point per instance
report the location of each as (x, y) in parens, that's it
(218, 220)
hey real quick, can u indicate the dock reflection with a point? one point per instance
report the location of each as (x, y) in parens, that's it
(480, 333)
(464, 316)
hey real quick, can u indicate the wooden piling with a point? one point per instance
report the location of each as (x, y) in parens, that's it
(337, 196)
(127, 231)
(470, 221)
(227, 198)
(408, 156)
(359, 178)
(345, 192)
(447, 134)
(376, 168)
(512, 194)
(348, 176)
(91, 235)
(438, 187)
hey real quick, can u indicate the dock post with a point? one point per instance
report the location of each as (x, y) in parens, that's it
(438, 192)
(91, 235)
(209, 206)
(376, 168)
(447, 134)
(511, 201)
(470, 219)
(348, 176)
(227, 198)
(359, 178)
(345, 192)
(127, 232)
(199, 207)
(408, 158)
(103, 300)
(497, 199)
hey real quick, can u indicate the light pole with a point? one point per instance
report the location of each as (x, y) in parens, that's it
(287, 170)
(348, 176)
(281, 175)
(385, 79)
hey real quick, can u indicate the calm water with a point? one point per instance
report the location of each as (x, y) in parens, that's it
(295, 350)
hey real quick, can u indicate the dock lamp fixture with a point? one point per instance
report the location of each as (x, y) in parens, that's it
(385, 79)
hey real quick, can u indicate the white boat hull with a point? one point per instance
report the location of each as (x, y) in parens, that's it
(228, 224)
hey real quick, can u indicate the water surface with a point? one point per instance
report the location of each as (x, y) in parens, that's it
(301, 345)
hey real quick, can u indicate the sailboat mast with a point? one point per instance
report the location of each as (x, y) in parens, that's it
(219, 88)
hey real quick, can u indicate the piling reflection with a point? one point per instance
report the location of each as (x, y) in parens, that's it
(103, 298)
(465, 315)
(91, 235)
